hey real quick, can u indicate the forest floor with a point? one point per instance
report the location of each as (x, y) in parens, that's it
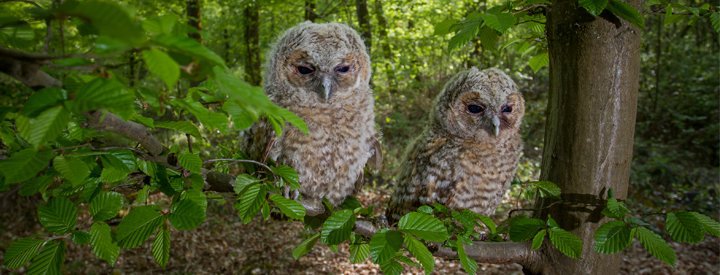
(223, 245)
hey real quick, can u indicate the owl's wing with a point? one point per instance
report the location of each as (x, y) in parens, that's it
(258, 140)
(375, 162)
(410, 185)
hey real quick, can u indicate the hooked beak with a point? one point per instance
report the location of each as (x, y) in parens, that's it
(327, 84)
(496, 124)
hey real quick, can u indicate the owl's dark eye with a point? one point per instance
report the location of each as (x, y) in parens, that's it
(506, 109)
(472, 108)
(304, 70)
(342, 69)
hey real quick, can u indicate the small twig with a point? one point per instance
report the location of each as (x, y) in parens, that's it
(242, 161)
(189, 141)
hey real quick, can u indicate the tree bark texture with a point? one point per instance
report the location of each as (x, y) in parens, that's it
(594, 81)
(252, 42)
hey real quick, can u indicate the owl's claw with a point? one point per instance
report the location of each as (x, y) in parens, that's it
(294, 196)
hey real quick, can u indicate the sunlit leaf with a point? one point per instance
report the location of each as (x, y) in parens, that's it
(102, 244)
(49, 260)
(21, 251)
(59, 215)
(138, 226)
(655, 245)
(337, 227)
(305, 246)
(162, 65)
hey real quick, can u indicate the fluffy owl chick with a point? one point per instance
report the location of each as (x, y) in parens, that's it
(321, 72)
(467, 155)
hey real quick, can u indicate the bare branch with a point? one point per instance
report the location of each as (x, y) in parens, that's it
(495, 253)
(134, 131)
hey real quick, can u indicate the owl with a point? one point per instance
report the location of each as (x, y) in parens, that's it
(467, 155)
(321, 72)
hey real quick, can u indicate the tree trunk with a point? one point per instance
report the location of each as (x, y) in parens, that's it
(383, 42)
(364, 23)
(594, 81)
(252, 42)
(193, 15)
(310, 14)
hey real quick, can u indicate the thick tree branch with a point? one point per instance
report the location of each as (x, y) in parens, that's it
(109, 122)
(495, 253)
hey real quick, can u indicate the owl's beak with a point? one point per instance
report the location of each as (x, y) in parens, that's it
(327, 84)
(496, 124)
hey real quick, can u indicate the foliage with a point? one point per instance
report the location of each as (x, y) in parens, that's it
(142, 66)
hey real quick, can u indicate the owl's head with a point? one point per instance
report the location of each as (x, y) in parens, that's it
(318, 64)
(479, 105)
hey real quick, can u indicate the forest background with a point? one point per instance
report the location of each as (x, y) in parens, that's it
(414, 50)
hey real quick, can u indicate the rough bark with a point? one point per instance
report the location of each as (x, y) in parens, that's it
(594, 81)
(252, 42)
(364, 21)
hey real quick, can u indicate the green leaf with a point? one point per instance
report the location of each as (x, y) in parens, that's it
(59, 215)
(81, 237)
(566, 242)
(468, 264)
(189, 211)
(523, 228)
(425, 209)
(188, 46)
(500, 21)
(74, 170)
(715, 21)
(290, 208)
(615, 209)
(162, 65)
(49, 260)
(711, 226)
(161, 247)
(627, 12)
(106, 205)
(384, 245)
(538, 239)
(359, 253)
(250, 202)
(101, 93)
(182, 126)
(489, 223)
(46, 127)
(191, 162)
(242, 181)
(547, 188)
(594, 7)
(444, 27)
(102, 243)
(113, 174)
(42, 100)
(421, 253)
(288, 174)
(242, 117)
(612, 237)
(210, 119)
(671, 17)
(488, 38)
(423, 226)
(391, 267)
(160, 25)
(109, 18)
(24, 165)
(35, 185)
(305, 246)
(539, 61)
(337, 227)
(468, 29)
(655, 245)
(137, 226)
(684, 227)
(21, 251)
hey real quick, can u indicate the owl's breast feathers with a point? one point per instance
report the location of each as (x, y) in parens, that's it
(330, 158)
(456, 173)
